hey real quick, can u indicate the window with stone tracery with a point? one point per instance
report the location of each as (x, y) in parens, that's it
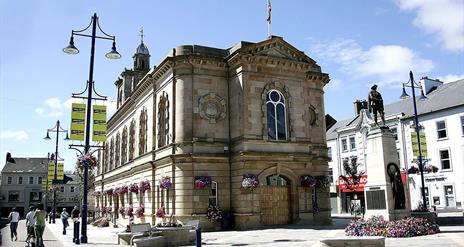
(132, 140)
(117, 150)
(112, 153)
(124, 146)
(276, 116)
(106, 158)
(143, 132)
(163, 121)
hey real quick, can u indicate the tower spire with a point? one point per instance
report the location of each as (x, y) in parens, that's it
(141, 35)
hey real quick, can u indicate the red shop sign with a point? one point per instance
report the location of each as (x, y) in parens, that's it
(359, 187)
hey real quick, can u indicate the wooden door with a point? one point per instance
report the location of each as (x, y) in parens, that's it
(275, 205)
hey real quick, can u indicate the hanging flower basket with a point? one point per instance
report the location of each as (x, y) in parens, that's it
(144, 186)
(122, 211)
(165, 183)
(130, 210)
(202, 182)
(431, 168)
(308, 181)
(250, 181)
(134, 188)
(160, 213)
(322, 182)
(122, 190)
(86, 160)
(140, 211)
(413, 170)
(54, 188)
(214, 214)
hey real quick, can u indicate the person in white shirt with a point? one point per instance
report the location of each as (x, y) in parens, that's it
(14, 219)
(30, 222)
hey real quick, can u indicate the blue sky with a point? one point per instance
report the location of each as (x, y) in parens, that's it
(357, 43)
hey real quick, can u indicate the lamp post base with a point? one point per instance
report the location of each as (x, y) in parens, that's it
(83, 239)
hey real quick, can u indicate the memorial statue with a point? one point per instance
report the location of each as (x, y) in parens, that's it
(375, 104)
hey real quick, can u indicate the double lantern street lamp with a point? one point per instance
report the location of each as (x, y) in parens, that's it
(58, 129)
(113, 54)
(414, 85)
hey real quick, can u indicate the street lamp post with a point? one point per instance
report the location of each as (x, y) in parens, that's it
(57, 128)
(413, 86)
(113, 54)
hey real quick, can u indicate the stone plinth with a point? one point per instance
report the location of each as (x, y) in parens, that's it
(353, 241)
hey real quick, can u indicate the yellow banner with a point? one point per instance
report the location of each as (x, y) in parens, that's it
(415, 145)
(99, 123)
(77, 121)
(51, 170)
(44, 185)
(60, 171)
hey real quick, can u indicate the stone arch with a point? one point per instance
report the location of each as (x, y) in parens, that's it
(279, 86)
(279, 170)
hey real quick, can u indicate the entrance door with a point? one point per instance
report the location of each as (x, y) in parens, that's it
(449, 196)
(275, 201)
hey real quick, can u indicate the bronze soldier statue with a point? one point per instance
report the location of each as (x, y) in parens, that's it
(375, 103)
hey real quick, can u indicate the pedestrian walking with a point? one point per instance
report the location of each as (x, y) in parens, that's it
(14, 219)
(30, 222)
(75, 214)
(64, 218)
(39, 216)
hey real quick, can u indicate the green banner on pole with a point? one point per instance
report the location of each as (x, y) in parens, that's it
(77, 121)
(51, 170)
(60, 171)
(415, 145)
(99, 123)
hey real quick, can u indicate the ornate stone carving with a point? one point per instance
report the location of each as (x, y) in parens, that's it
(212, 107)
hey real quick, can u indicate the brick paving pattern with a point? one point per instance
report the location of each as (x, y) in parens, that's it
(49, 239)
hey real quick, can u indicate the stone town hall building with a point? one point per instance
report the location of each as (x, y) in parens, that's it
(254, 108)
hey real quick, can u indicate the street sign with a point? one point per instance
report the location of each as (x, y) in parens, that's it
(77, 121)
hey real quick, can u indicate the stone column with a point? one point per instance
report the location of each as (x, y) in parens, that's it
(380, 152)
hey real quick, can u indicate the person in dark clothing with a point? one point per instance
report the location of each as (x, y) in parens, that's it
(75, 213)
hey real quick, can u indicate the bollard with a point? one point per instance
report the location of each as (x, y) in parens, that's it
(76, 232)
(198, 236)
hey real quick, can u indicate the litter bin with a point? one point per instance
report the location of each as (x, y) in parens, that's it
(228, 221)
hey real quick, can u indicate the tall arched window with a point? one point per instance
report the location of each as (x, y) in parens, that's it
(163, 121)
(143, 132)
(112, 153)
(124, 146)
(276, 116)
(117, 150)
(131, 140)
(107, 158)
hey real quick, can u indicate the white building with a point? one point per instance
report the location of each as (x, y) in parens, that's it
(441, 117)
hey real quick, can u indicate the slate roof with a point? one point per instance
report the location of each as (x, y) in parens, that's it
(35, 165)
(446, 96)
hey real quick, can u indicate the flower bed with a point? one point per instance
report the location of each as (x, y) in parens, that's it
(202, 182)
(377, 226)
(250, 181)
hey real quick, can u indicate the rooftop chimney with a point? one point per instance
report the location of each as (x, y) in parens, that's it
(358, 105)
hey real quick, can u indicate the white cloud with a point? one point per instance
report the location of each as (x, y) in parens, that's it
(110, 104)
(52, 107)
(442, 18)
(334, 84)
(451, 78)
(389, 63)
(14, 135)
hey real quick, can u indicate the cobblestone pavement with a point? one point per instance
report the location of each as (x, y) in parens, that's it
(49, 239)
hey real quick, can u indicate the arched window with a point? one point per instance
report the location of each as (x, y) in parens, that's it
(112, 153)
(163, 121)
(117, 151)
(143, 132)
(131, 140)
(107, 158)
(276, 116)
(124, 146)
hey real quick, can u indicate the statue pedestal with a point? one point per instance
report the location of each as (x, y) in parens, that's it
(380, 192)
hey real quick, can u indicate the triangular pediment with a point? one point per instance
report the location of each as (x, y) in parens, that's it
(277, 47)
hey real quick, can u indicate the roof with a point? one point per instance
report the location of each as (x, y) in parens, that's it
(72, 179)
(37, 165)
(142, 49)
(446, 96)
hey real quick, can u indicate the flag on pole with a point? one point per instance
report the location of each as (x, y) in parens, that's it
(269, 11)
